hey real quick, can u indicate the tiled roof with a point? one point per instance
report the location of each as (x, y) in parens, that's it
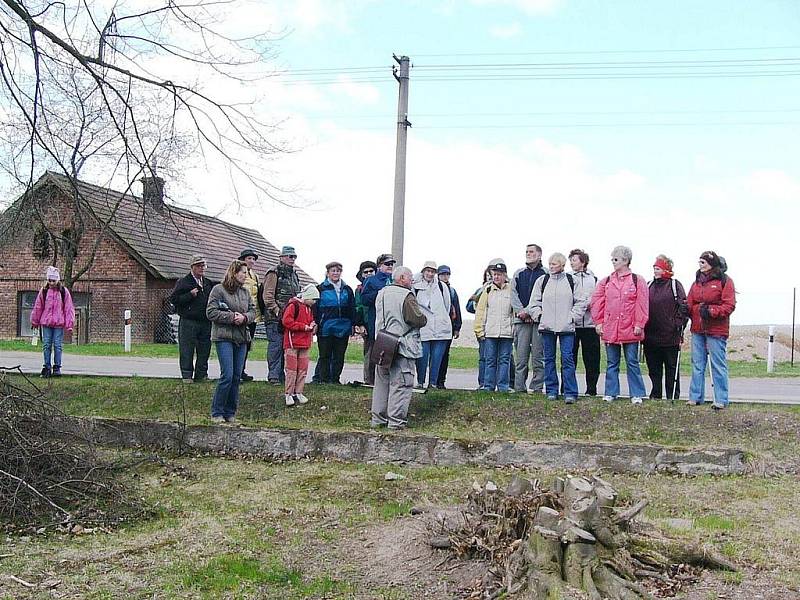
(164, 241)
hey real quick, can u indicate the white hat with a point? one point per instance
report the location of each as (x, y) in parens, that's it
(429, 264)
(53, 274)
(310, 292)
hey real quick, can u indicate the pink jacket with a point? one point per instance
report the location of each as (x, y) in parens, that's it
(619, 304)
(51, 312)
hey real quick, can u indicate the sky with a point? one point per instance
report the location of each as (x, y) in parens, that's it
(611, 143)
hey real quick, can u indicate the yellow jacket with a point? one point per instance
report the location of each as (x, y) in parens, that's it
(494, 315)
(251, 285)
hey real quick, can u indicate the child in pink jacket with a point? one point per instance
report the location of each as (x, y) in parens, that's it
(620, 308)
(53, 313)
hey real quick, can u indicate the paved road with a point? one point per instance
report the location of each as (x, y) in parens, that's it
(744, 389)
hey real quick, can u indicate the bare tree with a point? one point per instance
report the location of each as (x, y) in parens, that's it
(93, 87)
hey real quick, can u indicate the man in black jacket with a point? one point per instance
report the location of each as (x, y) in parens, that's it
(190, 297)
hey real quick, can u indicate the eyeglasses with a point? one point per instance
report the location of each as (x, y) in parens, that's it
(368, 272)
(389, 263)
(52, 281)
(615, 259)
(702, 261)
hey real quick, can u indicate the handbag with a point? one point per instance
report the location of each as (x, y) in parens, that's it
(384, 348)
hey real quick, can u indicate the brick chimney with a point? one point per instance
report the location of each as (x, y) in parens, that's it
(153, 191)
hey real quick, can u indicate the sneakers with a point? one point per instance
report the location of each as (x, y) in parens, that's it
(56, 372)
(636, 400)
(552, 397)
(45, 373)
(608, 398)
(245, 377)
(717, 406)
(230, 420)
(289, 399)
(188, 380)
(217, 420)
(301, 399)
(570, 400)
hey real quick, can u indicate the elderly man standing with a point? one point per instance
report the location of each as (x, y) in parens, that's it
(281, 284)
(190, 297)
(398, 314)
(527, 339)
(249, 257)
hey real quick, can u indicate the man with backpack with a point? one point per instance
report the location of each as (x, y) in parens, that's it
(527, 340)
(281, 284)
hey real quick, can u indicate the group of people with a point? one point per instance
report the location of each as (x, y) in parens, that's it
(522, 323)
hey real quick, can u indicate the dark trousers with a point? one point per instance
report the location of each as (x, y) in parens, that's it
(275, 353)
(331, 359)
(194, 336)
(443, 367)
(252, 328)
(662, 362)
(588, 341)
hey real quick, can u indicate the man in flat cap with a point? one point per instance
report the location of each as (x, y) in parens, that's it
(190, 297)
(249, 257)
(280, 285)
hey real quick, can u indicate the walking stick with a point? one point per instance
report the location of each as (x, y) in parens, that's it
(677, 374)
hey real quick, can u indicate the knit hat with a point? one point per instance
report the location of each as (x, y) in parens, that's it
(367, 264)
(288, 251)
(53, 274)
(664, 266)
(711, 258)
(498, 264)
(310, 292)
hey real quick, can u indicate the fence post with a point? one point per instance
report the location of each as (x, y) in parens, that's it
(770, 350)
(127, 331)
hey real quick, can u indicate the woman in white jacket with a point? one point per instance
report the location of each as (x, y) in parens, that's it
(433, 298)
(556, 304)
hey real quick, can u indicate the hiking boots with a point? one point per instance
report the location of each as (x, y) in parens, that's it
(45, 373)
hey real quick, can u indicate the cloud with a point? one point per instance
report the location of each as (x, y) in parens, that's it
(363, 93)
(531, 7)
(505, 31)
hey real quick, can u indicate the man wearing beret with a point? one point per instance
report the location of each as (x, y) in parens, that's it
(190, 297)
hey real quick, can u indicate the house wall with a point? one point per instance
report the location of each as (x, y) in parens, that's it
(115, 282)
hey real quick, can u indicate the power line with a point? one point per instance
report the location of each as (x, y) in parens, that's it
(591, 125)
(638, 51)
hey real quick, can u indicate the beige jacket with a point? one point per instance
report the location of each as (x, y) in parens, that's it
(494, 315)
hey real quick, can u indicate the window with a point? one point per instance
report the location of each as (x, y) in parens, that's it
(26, 301)
(41, 243)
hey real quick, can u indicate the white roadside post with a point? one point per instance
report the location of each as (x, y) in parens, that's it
(770, 350)
(127, 331)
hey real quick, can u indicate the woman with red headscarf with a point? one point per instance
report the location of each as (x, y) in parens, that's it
(663, 333)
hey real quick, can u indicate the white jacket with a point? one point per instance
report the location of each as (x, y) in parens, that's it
(494, 316)
(434, 301)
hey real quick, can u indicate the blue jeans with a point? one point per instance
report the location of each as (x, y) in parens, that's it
(52, 337)
(231, 362)
(713, 346)
(274, 353)
(567, 343)
(432, 353)
(481, 362)
(635, 381)
(498, 359)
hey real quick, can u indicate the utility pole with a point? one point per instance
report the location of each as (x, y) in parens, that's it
(398, 219)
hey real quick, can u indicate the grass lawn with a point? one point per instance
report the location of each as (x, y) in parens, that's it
(460, 358)
(768, 432)
(252, 529)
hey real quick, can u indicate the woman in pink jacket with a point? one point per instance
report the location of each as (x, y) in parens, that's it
(53, 312)
(620, 306)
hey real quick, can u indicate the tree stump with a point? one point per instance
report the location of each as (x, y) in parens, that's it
(549, 543)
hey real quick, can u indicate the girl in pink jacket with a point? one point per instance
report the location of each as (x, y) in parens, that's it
(620, 307)
(53, 313)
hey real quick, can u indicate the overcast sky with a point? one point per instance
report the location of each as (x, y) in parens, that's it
(618, 146)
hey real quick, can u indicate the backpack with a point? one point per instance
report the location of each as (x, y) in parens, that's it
(546, 278)
(635, 280)
(283, 312)
(674, 288)
(260, 298)
(61, 289)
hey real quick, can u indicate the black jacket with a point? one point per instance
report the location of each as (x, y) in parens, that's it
(187, 305)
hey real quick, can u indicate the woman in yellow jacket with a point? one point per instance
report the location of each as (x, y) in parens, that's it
(250, 257)
(494, 319)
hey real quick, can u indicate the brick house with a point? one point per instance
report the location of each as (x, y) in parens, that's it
(143, 247)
